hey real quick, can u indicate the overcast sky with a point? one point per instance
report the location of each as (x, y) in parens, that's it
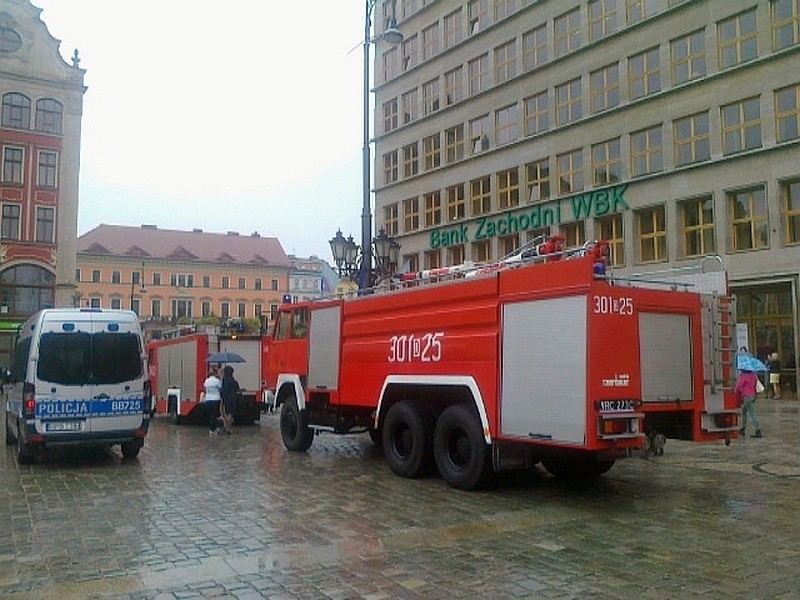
(242, 115)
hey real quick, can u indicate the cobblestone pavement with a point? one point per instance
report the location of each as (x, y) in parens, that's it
(239, 517)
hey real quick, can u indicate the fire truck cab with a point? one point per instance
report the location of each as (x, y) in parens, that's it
(503, 368)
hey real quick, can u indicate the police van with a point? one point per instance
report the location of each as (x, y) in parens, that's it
(78, 377)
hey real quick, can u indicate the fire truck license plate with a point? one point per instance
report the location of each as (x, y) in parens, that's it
(616, 405)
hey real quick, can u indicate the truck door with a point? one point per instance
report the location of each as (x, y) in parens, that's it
(323, 359)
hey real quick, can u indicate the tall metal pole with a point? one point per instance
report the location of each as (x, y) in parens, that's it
(366, 212)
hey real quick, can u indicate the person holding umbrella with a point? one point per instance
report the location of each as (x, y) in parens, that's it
(746, 390)
(229, 392)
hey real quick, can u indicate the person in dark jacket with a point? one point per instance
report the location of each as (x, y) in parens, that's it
(229, 393)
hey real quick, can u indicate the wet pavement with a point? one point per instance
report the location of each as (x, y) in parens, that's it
(197, 516)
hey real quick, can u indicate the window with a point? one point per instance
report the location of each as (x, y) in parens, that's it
(605, 87)
(453, 29)
(205, 308)
(45, 224)
(454, 85)
(785, 23)
(273, 284)
(456, 255)
(224, 309)
(241, 309)
(432, 259)
(787, 112)
(568, 32)
(411, 214)
(651, 234)
(790, 198)
(569, 170)
(430, 41)
(157, 279)
(242, 283)
(16, 111)
(48, 116)
(505, 62)
(602, 18)
(95, 275)
(479, 134)
(182, 280)
(413, 262)
(537, 117)
(9, 229)
(390, 63)
(454, 144)
(10, 41)
(48, 167)
(430, 96)
(410, 106)
(737, 39)
(480, 196)
(409, 7)
(537, 176)
(257, 284)
(534, 48)
(697, 226)
(477, 17)
(456, 206)
(688, 57)
(116, 304)
(640, 9)
(747, 210)
(94, 302)
(609, 228)
(482, 251)
(741, 126)
(507, 189)
(574, 234)
(507, 245)
(478, 71)
(409, 49)
(691, 139)
(258, 309)
(226, 282)
(206, 281)
(646, 151)
(568, 102)
(410, 160)
(432, 151)
(391, 219)
(644, 73)
(390, 115)
(135, 277)
(503, 8)
(506, 125)
(12, 165)
(155, 308)
(77, 275)
(390, 168)
(606, 162)
(433, 209)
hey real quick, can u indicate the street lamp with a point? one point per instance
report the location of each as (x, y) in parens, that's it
(350, 259)
(393, 36)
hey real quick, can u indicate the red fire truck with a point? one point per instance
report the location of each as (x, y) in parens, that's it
(541, 358)
(179, 365)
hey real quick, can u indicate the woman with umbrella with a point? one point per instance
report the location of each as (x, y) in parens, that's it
(746, 389)
(229, 393)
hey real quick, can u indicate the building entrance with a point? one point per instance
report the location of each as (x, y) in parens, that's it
(770, 314)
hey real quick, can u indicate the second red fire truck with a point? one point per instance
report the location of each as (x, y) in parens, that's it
(543, 358)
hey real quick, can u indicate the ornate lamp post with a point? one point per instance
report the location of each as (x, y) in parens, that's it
(350, 258)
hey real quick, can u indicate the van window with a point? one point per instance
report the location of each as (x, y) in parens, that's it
(19, 364)
(79, 358)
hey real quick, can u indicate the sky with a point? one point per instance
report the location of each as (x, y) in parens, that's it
(243, 115)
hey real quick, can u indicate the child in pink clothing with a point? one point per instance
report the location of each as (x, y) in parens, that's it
(746, 390)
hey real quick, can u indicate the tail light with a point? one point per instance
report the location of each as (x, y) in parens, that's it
(614, 426)
(29, 401)
(146, 399)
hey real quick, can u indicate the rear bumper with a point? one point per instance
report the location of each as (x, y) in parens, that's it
(89, 438)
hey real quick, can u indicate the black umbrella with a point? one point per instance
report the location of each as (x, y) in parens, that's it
(224, 357)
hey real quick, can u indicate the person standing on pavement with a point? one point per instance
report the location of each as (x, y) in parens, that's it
(774, 366)
(746, 391)
(229, 393)
(212, 397)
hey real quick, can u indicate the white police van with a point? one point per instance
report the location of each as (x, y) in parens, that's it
(78, 377)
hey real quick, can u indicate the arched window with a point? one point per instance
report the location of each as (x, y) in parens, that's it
(16, 111)
(48, 115)
(24, 289)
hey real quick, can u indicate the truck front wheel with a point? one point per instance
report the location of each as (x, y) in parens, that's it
(297, 435)
(459, 448)
(407, 433)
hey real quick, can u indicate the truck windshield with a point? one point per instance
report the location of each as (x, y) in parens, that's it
(79, 358)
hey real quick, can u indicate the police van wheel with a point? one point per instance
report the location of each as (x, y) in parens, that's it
(23, 451)
(130, 450)
(459, 448)
(407, 434)
(296, 434)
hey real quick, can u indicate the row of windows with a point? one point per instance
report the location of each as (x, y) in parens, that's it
(14, 167)
(740, 129)
(185, 280)
(181, 307)
(745, 222)
(17, 113)
(737, 36)
(11, 223)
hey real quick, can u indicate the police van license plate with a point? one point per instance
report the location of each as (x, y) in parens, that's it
(616, 405)
(64, 426)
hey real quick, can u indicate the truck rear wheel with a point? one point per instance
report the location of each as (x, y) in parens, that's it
(459, 448)
(297, 435)
(407, 433)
